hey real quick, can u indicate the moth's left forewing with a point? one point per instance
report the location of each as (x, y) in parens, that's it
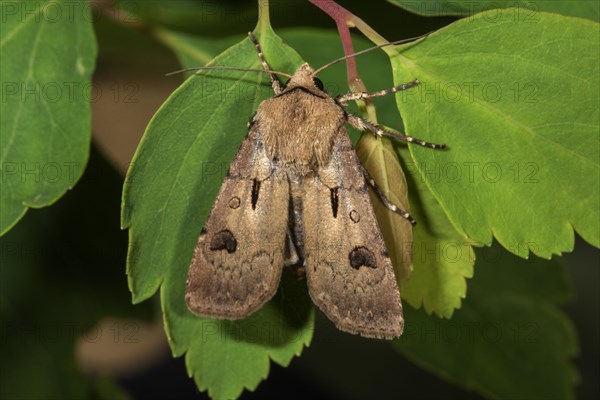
(239, 255)
(349, 272)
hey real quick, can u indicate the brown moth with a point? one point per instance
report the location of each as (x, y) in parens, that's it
(297, 195)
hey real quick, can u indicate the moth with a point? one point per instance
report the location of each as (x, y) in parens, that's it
(296, 195)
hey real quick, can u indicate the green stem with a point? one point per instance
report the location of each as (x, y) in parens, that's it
(264, 18)
(369, 32)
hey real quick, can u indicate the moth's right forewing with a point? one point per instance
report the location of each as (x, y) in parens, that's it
(349, 272)
(240, 253)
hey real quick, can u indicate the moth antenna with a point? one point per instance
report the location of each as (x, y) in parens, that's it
(266, 67)
(367, 95)
(337, 60)
(227, 69)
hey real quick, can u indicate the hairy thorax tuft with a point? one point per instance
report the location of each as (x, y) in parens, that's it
(300, 128)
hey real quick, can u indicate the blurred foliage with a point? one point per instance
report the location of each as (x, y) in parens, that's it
(62, 271)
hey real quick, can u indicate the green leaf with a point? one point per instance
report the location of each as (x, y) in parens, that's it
(227, 356)
(442, 257)
(509, 339)
(175, 174)
(47, 54)
(523, 10)
(520, 118)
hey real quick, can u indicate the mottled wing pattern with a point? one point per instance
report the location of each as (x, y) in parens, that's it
(349, 272)
(240, 253)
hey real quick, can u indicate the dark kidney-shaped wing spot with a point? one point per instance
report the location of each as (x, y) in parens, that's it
(354, 216)
(224, 240)
(362, 257)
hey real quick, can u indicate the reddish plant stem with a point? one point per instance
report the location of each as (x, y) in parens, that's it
(344, 20)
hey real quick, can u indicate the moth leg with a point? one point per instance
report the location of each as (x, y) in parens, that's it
(363, 124)
(386, 202)
(344, 98)
(274, 81)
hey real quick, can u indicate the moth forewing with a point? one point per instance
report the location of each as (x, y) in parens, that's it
(240, 253)
(348, 269)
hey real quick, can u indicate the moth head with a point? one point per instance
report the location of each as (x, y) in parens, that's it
(305, 77)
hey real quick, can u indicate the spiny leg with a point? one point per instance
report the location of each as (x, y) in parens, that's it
(363, 124)
(386, 202)
(344, 98)
(274, 81)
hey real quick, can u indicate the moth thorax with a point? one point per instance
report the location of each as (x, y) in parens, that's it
(299, 128)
